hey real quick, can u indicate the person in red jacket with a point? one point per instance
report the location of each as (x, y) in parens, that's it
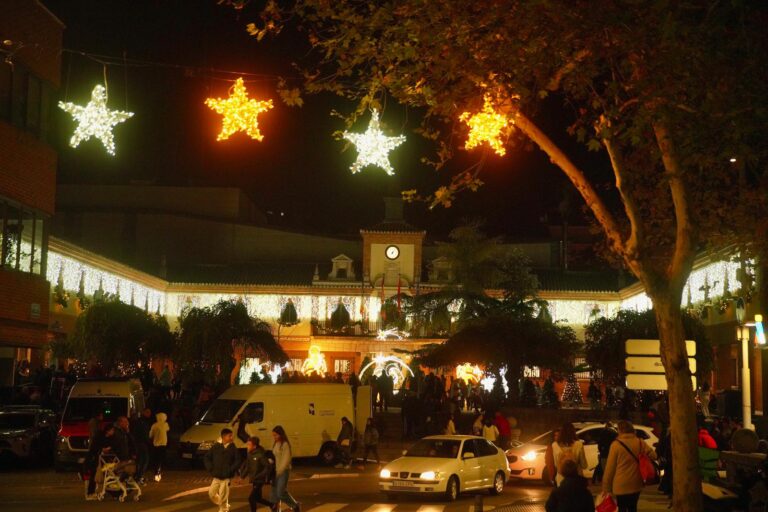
(706, 440)
(504, 430)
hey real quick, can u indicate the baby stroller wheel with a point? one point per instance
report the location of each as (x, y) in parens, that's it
(136, 498)
(101, 496)
(121, 499)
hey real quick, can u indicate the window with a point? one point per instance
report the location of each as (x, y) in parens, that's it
(341, 273)
(6, 81)
(532, 372)
(254, 412)
(470, 447)
(295, 364)
(222, 410)
(342, 365)
(439, 448)
(22, 238)
(25, 99)
(81, 409)
(591, 436)
(485, 449)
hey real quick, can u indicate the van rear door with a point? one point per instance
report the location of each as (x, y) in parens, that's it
(363, 407)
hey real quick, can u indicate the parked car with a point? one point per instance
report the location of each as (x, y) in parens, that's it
(27, 432)
(447, 465)
(526, 461)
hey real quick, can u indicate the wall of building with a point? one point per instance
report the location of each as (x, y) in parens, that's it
(27, 176)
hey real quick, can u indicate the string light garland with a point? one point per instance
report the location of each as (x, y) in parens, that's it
(373, 147)
(486, 126)
(391, 366)
(240, 112)
(95, 119)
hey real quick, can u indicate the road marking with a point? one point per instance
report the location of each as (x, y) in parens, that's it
(203, 489)
(321, 476)
(380, 507)
(173, 506)
(431, 508)
(233, 505)
(329, 507)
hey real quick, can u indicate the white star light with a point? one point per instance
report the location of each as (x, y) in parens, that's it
(95, 120)
(373, 146)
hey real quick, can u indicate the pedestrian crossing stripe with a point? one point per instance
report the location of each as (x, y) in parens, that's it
(325, 507)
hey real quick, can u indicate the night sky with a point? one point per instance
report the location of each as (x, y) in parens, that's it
(298, 169)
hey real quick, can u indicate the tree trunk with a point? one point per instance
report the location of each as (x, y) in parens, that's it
(682, 407)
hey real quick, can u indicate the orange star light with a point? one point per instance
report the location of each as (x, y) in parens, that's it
(486, 126)
(240, 112)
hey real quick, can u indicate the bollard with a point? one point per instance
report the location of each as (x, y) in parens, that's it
(478, 503)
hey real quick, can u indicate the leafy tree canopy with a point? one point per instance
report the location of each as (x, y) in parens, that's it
(208, 337)
(112, 332)
(605, 339)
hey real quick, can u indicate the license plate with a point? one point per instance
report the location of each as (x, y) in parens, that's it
(402, 483)
(186, 455)
(81, 460)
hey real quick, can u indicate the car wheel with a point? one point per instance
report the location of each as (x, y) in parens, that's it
(452, 488)
(498, 484)
(328, 454)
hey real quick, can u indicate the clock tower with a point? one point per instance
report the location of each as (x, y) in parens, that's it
(392, 249)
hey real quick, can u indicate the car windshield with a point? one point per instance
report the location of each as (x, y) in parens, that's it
(16, 421)
(545, 438)
(84, 408)
(222, 410)
(440, 448)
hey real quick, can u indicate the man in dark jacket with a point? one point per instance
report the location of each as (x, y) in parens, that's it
(101, 442)
(604, 441)
(344, 442)
(572, 495)
(140, 433)
(222, 462)
(258, 469)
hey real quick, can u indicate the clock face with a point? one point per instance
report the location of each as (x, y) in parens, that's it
(392, 252)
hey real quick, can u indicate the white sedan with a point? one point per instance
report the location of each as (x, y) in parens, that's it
(447, 465)
(526, 461)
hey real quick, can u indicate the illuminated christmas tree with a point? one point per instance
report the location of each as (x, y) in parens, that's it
(572, 392)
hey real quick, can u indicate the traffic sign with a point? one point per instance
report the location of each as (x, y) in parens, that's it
(652, 347)
(644, 364)
(650, 381)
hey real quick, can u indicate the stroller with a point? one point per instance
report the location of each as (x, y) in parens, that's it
(117, 478)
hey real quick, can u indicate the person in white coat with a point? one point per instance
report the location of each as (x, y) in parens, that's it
(158, 436)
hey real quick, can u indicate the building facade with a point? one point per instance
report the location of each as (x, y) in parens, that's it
(29, 76)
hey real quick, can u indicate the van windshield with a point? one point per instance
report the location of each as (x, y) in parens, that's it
(222, 410)
(84, 408)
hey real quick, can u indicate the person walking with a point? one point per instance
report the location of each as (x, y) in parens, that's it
(257, 469)
(622, 471)
(101, 443)
(371, 442)
(477, 425)
(704, 397)
(502, 424)
(140, 433)
(450, 426)
(572, 495)
(344, 442)
(158, 435)
(607, 436)
(490, 432)
(222, 462)
(568, 447)
(281, 449)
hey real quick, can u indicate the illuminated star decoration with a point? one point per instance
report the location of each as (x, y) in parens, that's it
(485, 126)
(240, 112)
(373, 146)
(95, 119)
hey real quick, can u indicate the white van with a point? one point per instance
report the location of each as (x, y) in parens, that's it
(310, 414)
(114, 397)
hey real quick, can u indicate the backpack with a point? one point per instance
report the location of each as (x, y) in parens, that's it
(646, 467)
(566, 453)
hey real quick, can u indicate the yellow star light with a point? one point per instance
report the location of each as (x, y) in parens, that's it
(95, 119)
(486, 126)
(373, 146)
(240, 113)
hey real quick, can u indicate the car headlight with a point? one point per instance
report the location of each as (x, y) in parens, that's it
(63, 439)
(428, 475)
(530, 456)
(205, 445)
(385, 473)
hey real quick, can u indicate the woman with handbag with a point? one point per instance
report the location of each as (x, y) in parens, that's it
(626, 467)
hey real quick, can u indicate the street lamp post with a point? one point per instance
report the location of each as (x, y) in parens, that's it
(746, 394)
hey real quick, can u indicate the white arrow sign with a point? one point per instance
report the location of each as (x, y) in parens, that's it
(640, 364)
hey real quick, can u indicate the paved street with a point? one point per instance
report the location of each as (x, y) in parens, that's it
(318, 489)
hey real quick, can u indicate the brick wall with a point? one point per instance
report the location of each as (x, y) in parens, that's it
(30, 23)
(27, 169)
(18, 291)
